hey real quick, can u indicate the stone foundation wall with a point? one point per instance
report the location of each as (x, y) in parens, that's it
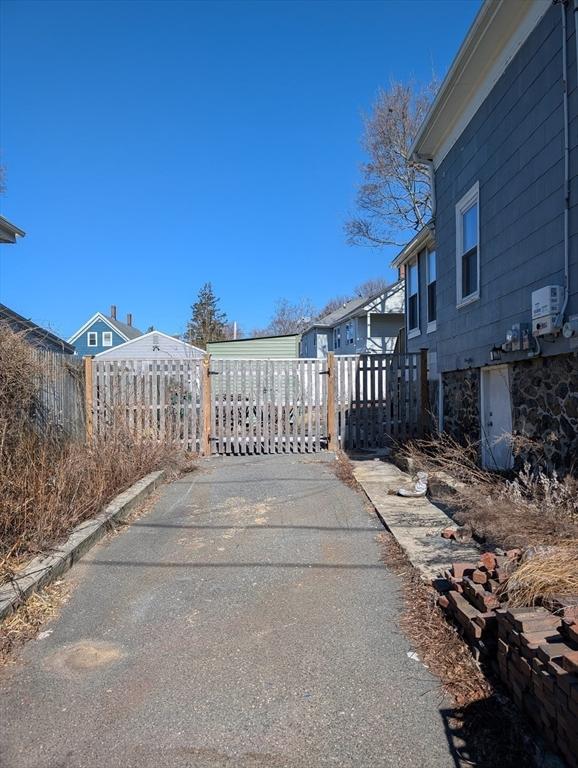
(461, 404)
(545, 406)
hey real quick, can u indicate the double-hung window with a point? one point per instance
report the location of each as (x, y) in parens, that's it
(336, 338)
(468, 247)
(349, 333)
(413, 299)
(107, 338)
(431, 290)
(92, 339)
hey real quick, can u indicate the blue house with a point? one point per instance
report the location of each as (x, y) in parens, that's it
(102, 332)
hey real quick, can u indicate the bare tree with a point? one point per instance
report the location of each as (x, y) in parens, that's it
(288, 318)
(395, 193)
(371, 287)
(335, 303)
(233, 330)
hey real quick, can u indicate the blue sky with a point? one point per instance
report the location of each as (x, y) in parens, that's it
(153, 146)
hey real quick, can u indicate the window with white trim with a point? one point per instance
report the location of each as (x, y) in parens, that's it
(349, 333)
(337, 338)
(107, 338)
(468, 246)
(413, 298)
(92, 339)
(431, 289)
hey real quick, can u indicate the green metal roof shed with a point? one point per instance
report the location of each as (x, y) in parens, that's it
(263, 347)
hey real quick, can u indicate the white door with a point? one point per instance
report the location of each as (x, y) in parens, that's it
(496, 418)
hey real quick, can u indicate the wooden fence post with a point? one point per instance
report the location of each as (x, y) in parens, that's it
(423, 393)
(206, 406)
(88, 398)
(332, 442)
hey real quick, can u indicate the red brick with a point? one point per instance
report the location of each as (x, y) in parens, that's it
(449, 533)
(487, 620)
(459, 570)
(488, 560)
(532, 621)
(572, 631)
(443, 602)
(479, 577)
(570, 661)
(552, 649)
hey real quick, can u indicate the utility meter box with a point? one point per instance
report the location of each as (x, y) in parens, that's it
(546, 306)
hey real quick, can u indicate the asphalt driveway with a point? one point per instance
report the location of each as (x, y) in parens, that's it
(245, 621)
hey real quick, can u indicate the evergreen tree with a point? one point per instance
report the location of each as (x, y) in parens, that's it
(207, 322)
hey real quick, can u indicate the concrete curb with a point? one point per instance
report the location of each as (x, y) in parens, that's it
(415, 523)
(46, 568)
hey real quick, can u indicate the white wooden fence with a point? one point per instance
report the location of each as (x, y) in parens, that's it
(263, 406)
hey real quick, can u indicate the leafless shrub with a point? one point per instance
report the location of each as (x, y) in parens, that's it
(534, 507)
(49, 483)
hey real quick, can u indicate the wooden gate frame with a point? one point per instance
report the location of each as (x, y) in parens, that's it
(206, 401)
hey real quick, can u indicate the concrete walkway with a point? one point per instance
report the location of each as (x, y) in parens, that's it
(416, 523)
(245, 621)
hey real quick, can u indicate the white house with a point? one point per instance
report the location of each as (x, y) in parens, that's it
(153, 345)
(365, 325)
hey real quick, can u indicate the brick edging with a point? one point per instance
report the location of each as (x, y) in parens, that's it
(533, 652)
(44, 569)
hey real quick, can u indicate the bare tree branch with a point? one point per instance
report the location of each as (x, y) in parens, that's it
(395, 192)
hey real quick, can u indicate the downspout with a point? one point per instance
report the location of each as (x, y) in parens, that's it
(432, 179)
(560, 318)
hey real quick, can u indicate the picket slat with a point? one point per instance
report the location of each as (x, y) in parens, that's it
(258, 406)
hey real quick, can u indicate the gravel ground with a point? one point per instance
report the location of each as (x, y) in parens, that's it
(245, 621)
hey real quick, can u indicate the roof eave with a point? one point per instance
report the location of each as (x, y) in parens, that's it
(495, 35)
(422, 239)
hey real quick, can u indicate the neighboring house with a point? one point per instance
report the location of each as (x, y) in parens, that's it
(492, 282)
(8, 231)
(263, 347)
(153, 345)
(102, 332)
(34, 334)
(361, 326)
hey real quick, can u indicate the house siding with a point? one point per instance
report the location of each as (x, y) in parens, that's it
(513, 147)
(81, 343)
(153, 346)
(273, 347)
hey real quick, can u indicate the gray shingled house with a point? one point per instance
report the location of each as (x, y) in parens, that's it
(492, 281)
(367, 324)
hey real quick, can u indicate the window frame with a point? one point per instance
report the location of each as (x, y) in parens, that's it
(105, 335)
(349, 335)
(431, 324)
(471, 198)
(88, 335)
(416, 330)
(337, 337)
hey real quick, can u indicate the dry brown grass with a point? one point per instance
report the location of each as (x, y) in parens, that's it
(48, 482)
(544, 576)
(484, 727)
(436, 642)
(27, 620)
(531, 507)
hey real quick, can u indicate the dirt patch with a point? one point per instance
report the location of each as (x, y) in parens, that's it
(85, 655)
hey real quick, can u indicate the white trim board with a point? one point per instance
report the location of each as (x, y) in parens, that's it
(497, 34)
